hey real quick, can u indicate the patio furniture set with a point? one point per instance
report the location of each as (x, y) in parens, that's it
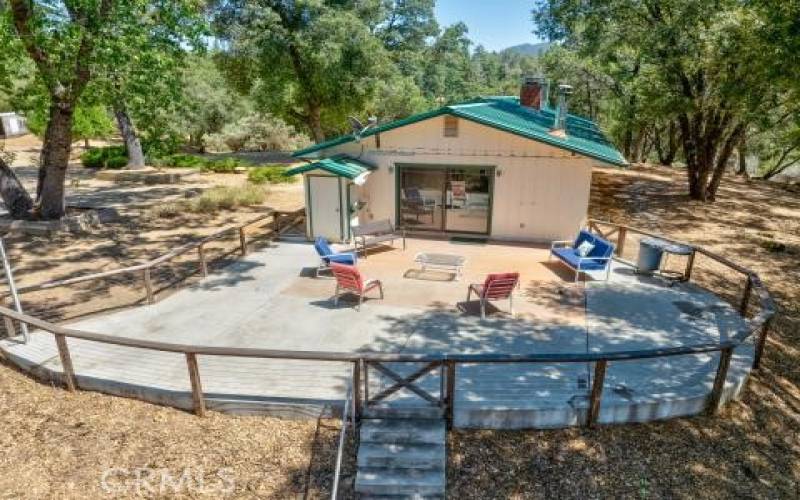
(588, 252)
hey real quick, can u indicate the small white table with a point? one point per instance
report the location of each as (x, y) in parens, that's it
(444, 261)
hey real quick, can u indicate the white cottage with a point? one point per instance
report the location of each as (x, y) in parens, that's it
(506, 168)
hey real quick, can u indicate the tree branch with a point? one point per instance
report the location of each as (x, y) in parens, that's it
(22, 14)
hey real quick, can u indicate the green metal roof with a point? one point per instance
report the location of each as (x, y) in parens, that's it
(340, 165)
(505, 113)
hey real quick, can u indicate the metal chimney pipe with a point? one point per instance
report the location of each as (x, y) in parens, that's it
(561, 111)
(544, 94)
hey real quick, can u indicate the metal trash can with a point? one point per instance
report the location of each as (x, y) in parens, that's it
(651, 251)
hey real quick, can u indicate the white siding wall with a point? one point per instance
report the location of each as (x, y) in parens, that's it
(541, 194)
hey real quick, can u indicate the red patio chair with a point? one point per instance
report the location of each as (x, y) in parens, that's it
(496, 287)
(348, 279)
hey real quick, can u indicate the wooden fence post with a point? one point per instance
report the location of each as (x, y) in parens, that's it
(687, 274)
(201, 255)
(365, 376)
(66, 362)
(623, 233)
(243, 241)
(719, 380)
(148, 285)
(760, 343)
(357, 389)
(197, 388)
(10, 329)
(597, 392)
(748, 289)
(451, 390)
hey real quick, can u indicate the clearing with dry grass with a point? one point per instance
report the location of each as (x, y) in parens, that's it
(57, 445)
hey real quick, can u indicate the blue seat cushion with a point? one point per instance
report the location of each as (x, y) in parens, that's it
(342, 258)
(572, 259)
(602, 247)
(325, 251)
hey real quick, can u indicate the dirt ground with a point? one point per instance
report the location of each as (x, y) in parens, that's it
(137, 236)
(58, 445)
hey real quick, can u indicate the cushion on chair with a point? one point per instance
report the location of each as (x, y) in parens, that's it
(322, 247)
(584, 248)
(343, 258)
(571, 258)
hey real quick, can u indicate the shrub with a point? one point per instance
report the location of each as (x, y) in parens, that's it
(211, 201)
(107, 157)
(226, 166)
(256, 132)
(180, 161)
(226, 198)
(168, 210)
(272, 174)
(117, 162)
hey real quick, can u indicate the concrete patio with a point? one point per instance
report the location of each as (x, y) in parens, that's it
(271, 300)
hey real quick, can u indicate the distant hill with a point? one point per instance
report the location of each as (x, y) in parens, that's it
(529, 49)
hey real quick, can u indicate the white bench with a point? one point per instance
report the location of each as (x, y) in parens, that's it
(375, 233)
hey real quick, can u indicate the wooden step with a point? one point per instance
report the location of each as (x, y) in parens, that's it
(403, 431)
(401, 411)
(402, 456)
(386, 481)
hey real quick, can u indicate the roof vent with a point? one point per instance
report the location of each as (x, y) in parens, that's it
(560, 121)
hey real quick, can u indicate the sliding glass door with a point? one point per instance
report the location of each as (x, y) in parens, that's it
(468, 193)
(445, 198)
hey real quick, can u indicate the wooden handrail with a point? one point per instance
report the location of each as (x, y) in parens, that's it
(756, 285)
(759, 323)
(367, 356)
(176, 252)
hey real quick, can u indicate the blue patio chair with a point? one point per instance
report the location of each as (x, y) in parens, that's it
(327, 255)
(598, 258)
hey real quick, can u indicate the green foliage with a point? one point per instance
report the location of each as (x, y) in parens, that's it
(269, 174)
(256, 132)
(315, 62)
(706, 67)
(225, 166)
(111, 157)
(179, 161)
(207, 102)
(221, 166)
(90, 122)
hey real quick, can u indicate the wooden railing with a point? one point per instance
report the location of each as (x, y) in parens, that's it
(280, 221)
(448, 362)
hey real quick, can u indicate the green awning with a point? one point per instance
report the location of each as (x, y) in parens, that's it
(340, 165)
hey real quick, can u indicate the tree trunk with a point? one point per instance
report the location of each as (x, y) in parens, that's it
(54, 161)
(742, 151)
(638, 145)
(721, 164)
(128, 132)
(17, 200)
(672, 144)
(315, 123)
